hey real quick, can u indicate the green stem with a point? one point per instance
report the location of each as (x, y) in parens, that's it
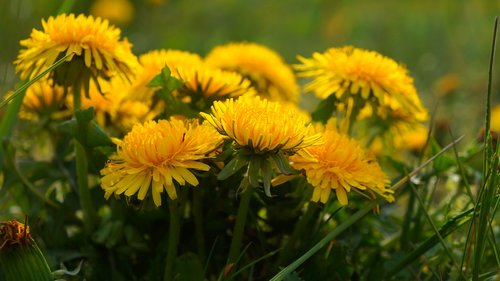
(334, 233)
(408, 219)
(66, 7)
(89, 215)
(300, 228)
(198, 222)
(173, 239)
(9, 121)
(241, 217)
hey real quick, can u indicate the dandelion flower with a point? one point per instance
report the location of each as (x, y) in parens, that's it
(261, 125)
(14, 233)
(202, 82)
(269, 74)
(495, 118)
(360, 78)
(120, 12)
(117, 108)
(97, 47)
(43, 99)
(339, 164)
(155, 154)
(400, 137)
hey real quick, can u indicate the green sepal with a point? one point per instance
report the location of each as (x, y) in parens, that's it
(85, 130)
(165, 80)
(325, 109)
(283, 164)
(226, 153)
(233, 166)
(253, 171)
(267, 175)
(167, 84)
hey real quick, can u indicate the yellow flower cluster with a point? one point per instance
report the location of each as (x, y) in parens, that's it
(251, 95)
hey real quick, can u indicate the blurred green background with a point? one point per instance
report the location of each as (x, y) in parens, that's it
(444, 44)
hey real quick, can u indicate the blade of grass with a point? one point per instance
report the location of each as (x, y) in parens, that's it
(254, 262)
(487, 133)
(449, 227)
(436, 231)
(482, 205)
(462, 171)
(334, 233)
(405, 230)
(25, 86)
(353, 219)
(66, 7)
(482, 233)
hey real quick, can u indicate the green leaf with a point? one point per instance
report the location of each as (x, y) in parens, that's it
(64, 271)
(232, 167)
(325, 109)
(188, 267)
(85, 130)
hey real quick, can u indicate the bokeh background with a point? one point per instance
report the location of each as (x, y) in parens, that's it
(445, 44)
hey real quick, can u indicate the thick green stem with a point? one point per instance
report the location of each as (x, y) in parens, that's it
(198, 222)
(173, 239)
(241, 217)
(89, 215)
(299, 230)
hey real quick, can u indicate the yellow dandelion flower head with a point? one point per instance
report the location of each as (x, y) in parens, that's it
(495, 118)
(261, 125)
(401, 136)
(340, 164)
(203, 81)
(155, 154)
(349, 73)
(44, 99)
(117, 106)
(120, 12)
(447, 84)
(152, 63)
(270, 75)
(99, 52)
